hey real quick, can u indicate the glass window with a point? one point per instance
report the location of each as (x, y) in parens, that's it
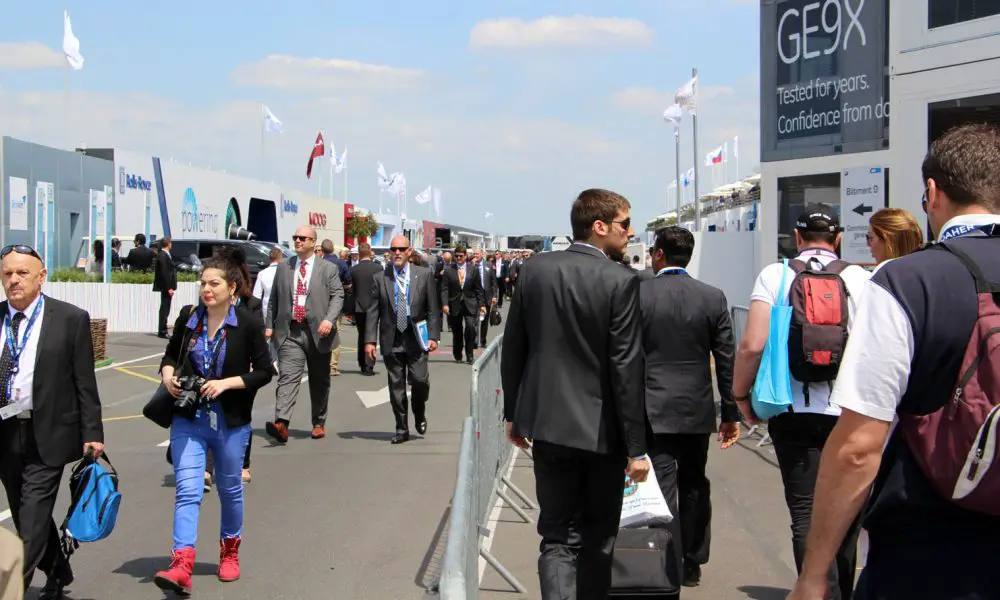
(950, 12)
(183, 250)
(793, 195)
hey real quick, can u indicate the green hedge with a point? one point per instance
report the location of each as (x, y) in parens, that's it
(78, 276)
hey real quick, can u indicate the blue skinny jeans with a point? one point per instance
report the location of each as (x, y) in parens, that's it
(189, 441)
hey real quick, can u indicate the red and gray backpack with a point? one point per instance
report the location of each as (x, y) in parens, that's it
(958, 446)
(818, 332)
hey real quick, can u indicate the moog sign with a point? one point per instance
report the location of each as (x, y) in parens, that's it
(317, 220)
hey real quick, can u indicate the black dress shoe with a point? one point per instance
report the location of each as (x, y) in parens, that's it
(54, 587)
(399, 438)
(692, 575)
(422, 426)
(470, 360)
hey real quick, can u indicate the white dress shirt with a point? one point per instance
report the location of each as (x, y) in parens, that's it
(310, 263)
(262, 289)
(21, 383)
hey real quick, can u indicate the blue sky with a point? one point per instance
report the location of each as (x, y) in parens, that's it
(503, 117)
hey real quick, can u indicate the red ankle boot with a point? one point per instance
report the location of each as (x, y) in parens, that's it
(229, 559)
(177, 578)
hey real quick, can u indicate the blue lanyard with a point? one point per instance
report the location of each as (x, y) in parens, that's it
(12, 345)
(209, 354)
(672, 271)
(958, 230)
(395, 285)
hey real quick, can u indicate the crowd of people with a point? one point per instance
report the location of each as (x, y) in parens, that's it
(886, 424)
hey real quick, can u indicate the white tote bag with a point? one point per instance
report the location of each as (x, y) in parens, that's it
(643, 502)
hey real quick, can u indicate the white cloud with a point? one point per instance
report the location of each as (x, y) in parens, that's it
(29, 55)
(294, 73)
(577, 30)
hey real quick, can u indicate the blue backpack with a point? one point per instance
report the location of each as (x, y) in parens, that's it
(95, 500)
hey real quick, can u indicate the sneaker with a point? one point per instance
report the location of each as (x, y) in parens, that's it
(208, 482)
(229, 559)
(245, 476)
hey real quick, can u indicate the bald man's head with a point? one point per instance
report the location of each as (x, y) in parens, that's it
(400, 249)
(305, 241)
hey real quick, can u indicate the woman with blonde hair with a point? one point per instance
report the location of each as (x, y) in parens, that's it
(892, 233)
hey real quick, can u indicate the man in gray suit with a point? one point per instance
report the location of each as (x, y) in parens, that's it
(306, 299)
(404, 296)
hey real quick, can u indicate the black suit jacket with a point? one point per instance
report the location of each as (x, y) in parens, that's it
(572, 362)
(363, 275)
(66, 409)
(646, 273)
(489, 281)
(165, 277)
(245, 348)
(684, 323)
(139, 258)
(381, 321)
(463, 299)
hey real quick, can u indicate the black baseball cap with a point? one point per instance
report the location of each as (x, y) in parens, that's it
(819, 218)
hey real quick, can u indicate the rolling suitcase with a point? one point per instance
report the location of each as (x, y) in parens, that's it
(645, 564)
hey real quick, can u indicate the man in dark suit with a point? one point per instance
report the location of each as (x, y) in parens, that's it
(344, 270)
(139, 258)
(500, 270)
(165, 282)
(464, 299)
(47, 422)
(684, 324)
(402, 299)
(572, 381)
(363, 274)
(487, 274)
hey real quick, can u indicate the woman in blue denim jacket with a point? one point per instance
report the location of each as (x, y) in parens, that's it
(225, 347)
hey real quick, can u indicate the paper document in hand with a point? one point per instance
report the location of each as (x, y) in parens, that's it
(423, 335)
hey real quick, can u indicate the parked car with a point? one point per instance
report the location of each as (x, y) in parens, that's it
(188, 254)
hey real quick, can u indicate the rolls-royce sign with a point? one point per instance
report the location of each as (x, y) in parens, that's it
(132, 182)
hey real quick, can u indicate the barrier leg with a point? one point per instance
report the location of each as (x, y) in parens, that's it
(520, 494)
(765, 440)
(507, 575)
(514, 507)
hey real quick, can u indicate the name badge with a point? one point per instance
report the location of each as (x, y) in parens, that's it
(300, 300)
(213, 420)
(13, 409)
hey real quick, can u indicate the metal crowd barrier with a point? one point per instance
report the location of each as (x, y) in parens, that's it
(484, 460)
(739, 315)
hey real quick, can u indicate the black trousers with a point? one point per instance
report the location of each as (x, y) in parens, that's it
(580, 496)
(464, 330)
(364, 363)
(165, 300)
(484, 327)
(679, 460)
(400, 366)
(798, 443)
(31, 488)
(501, 291)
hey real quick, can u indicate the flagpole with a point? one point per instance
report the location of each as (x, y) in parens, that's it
(66, 103)
(332, 156)
(263, 119)
(677, 168)
(694, 144)
(736, 153)
(345, 186)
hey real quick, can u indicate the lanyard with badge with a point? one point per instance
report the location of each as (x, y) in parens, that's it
(405, 277)
(672, 271)
(960, 230)
(210, 355)
(16, 350)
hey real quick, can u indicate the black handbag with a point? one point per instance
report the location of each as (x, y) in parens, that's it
(495, 317)
(160, 408)
(643, 564)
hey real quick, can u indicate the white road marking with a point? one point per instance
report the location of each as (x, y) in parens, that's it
(371, 399)
(4, 515)
(128, 362)
(163, 444)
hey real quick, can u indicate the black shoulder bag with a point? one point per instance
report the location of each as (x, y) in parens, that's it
(160, 408)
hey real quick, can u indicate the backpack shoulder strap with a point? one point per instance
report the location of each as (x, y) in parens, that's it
(983, 285)
(837, 267)
(798, 265)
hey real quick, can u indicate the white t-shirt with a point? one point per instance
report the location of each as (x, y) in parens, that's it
(766, 290)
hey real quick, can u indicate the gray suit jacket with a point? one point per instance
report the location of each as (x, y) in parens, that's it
(324, 301)
(424, 305)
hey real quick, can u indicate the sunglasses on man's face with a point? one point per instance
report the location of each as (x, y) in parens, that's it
(20, 249)
(398, 249)
(300, 238)
(625, 223)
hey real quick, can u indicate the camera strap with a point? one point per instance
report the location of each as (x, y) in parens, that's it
(212, 351)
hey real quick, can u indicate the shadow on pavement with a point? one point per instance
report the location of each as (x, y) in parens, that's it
(763, 592)
(429, 574)
(145, 568)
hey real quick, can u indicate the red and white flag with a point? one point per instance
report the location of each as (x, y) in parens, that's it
(319, 150)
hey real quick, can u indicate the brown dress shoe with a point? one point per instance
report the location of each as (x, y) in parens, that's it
(318, 432)
(279, 431)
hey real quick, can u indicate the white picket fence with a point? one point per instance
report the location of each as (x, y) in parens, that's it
(129, 308)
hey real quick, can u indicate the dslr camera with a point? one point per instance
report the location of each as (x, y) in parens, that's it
(190, 398)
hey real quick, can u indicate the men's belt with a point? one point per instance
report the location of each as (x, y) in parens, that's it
(24, 415)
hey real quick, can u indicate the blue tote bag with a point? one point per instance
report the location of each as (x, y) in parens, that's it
(772, 390)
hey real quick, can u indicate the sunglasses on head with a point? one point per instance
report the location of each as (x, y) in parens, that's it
(300, 238)
(20, 249)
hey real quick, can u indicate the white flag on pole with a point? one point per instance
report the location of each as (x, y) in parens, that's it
(673, 185)
(425, 196)
(71, 45)
(673, 114)
(271, 122)
(736, 147)
(342, 163)
(383, 180)
(333, 155)
(397, 183)
(687, 95)
(489, 215)
(437, 202)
